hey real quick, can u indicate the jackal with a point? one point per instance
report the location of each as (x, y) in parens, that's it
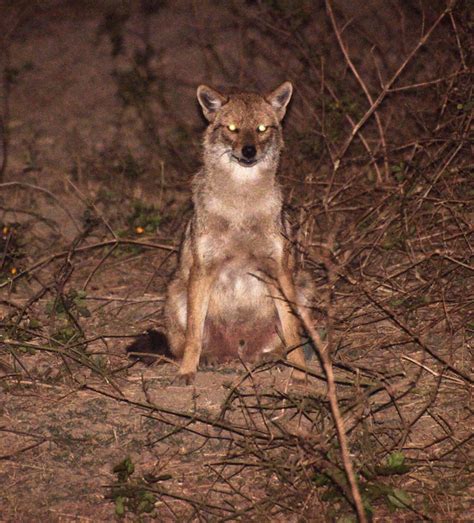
(230, 295)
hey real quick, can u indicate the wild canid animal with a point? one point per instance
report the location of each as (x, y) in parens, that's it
(230, 295)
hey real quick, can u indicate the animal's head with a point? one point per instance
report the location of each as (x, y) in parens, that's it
(244, 129)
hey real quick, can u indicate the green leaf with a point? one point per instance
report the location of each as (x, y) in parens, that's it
(147, 502)
(124, 469)
(120, 506)
(399, 498)
(395, 460)
(34, 324)
(54, 306)
(64, 335)
(321, 480)
(83, 311)
(395, 464)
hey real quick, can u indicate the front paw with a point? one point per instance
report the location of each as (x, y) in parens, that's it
(187, 372)
(186, 377)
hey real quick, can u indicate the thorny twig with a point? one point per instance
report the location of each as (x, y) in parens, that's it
(388, 86)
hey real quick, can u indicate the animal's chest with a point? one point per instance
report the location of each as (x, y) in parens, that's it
(244, 237)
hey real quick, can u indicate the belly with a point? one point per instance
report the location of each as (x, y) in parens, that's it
(240, 294)
(242, 320)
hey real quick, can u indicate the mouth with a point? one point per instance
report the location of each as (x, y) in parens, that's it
(244, 161)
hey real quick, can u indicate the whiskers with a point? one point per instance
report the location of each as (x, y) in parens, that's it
(224, 152)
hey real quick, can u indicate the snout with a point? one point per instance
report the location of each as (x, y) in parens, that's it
(249, 152)
(247, 156)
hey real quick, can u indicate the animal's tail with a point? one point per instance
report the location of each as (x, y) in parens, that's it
(149, 347)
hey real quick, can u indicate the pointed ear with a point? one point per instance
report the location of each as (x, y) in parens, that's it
(210, 100)
(279, 98)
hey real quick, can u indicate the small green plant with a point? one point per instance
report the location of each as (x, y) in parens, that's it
(374, 489)
(65, 335)
(399, 171)
(21, 328)
(73, 301)
(63, 310)
(133, 494)
(396, 464)
(371, 487)
(143, 218)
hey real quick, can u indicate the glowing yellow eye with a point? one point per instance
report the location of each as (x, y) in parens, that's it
(261, 128)
(232, 127)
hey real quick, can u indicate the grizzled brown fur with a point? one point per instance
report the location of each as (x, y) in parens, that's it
(228, 298)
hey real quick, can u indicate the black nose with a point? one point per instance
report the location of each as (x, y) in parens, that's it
(249, 151)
